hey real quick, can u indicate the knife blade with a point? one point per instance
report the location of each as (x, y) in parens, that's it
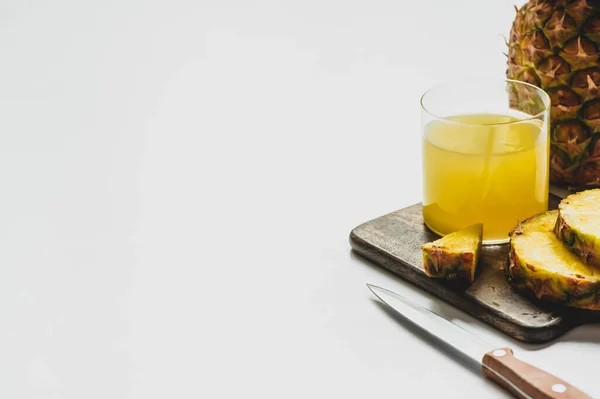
(498, 364)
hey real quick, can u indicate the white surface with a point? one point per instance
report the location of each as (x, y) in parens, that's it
(178, 184)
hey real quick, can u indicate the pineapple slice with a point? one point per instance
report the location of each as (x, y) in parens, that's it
(578, 225)
(454, 255)
(538, 263)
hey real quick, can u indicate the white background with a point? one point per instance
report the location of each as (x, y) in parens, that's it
(179, 179)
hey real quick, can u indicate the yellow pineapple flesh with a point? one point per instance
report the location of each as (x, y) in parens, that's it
(539, 264)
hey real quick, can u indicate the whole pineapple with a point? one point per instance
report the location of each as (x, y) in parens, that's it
(555, 45)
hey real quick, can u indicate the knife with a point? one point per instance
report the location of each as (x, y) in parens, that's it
(519, 378)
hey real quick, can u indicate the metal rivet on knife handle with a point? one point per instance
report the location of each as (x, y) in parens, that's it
(499, 353)
(560, 388)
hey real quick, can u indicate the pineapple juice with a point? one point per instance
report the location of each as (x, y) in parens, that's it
(484, 168)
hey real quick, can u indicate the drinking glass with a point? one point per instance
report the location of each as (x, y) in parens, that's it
(485, 155)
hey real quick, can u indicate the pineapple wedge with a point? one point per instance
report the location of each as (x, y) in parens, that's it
(540, 264)
(454, 255)
(578, 225)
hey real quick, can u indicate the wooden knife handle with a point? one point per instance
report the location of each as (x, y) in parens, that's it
(525, 381)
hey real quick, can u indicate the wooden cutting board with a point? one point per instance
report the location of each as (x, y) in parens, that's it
(393, 242)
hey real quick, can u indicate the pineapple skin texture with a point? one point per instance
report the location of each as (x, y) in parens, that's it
(555, 45)
(449, 265)
(586, 246)
(571, 290)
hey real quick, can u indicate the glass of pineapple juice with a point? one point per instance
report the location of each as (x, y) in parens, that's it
(485, 155)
